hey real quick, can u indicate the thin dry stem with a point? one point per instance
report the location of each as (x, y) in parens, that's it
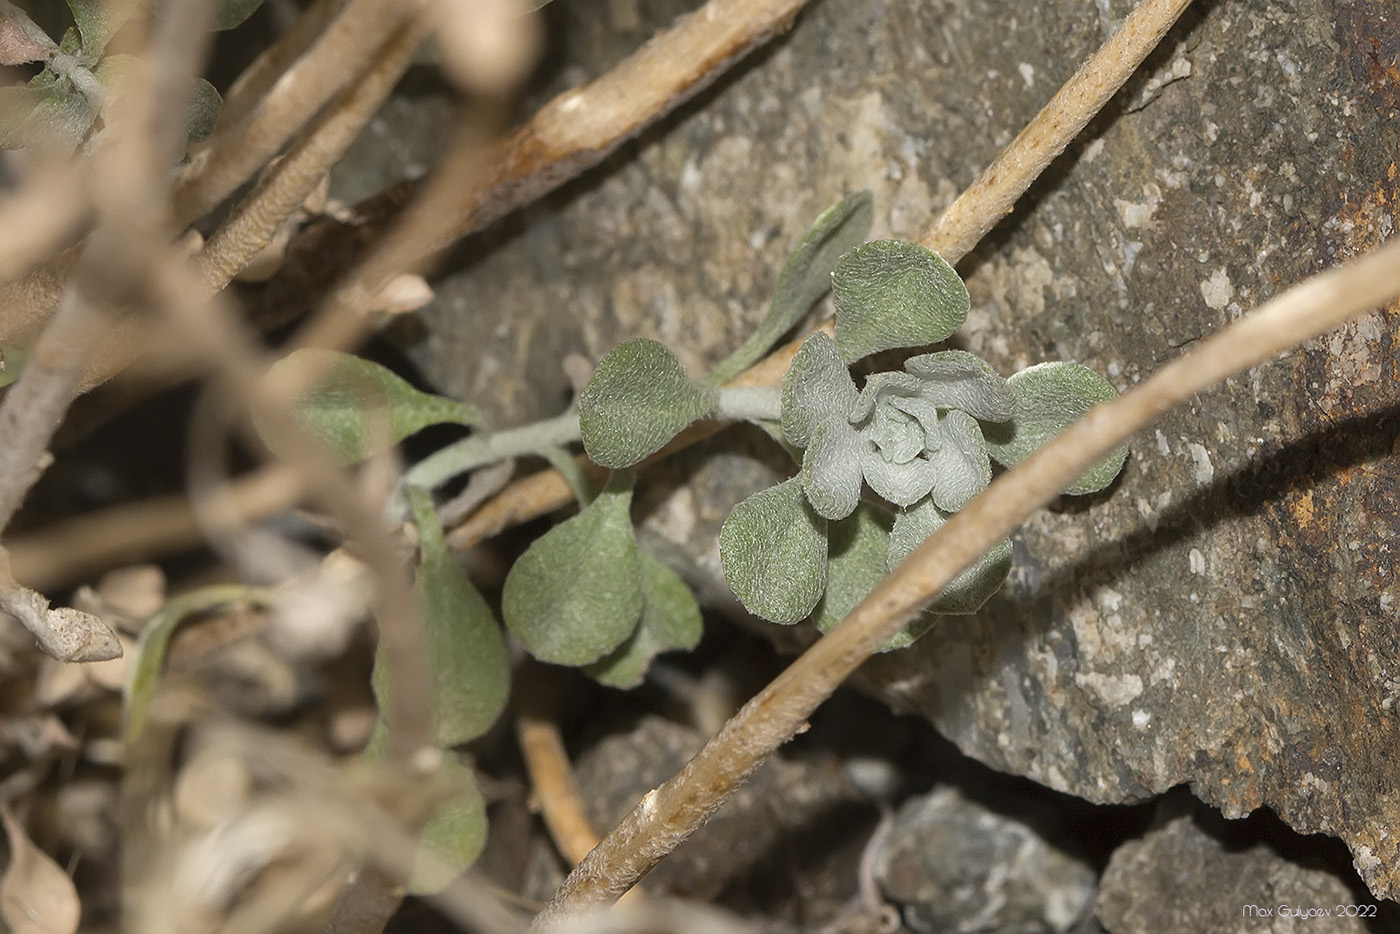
(551, 776)
(580, 128)
(238, 149)
(66, 550)
(272, 62)
(992, 196)
(672, 812)
(295, 176)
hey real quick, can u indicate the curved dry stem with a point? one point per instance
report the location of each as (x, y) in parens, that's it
(238, 149)
(672, 812)
(295, 176)
(992, 196)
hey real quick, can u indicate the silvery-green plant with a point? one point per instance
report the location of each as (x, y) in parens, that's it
(922, 441)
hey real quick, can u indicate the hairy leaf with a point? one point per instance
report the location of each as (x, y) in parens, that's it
(670, 620)
(773, 550)
(359, 408)
(638, 399)
(970, 589)
(817, 387)
(805, 278)
(466, 654)
(46, 117)
(956, 379)
(205, 104)
(857, 547)
(454, 836)
(895, 294)
(961, 466)
(831, 469)
(1049, 398)
(97, 22)
(576, 593)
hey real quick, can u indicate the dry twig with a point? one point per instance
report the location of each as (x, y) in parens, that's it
(672, 812)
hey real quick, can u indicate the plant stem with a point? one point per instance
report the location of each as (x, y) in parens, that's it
(672, 812)
(479, 449)
(750, 404)
(992, 196)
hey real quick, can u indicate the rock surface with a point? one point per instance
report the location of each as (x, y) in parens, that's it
(1179, 878)
(955, 866)
(1223, 615)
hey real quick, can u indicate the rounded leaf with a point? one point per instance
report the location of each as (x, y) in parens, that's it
(576, 592)
(638, 399)
(831, 475)
(961, 466)
(857, 548)
(454, 836)
(889, 294)
(670, 621)
(817, 387)
(1049, 398)
(956, 379)
(969, 590)
(773, 550)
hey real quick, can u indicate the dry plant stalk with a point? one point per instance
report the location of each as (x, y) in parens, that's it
(672, 812)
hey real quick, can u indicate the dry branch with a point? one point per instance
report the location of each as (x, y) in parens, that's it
(672, 812)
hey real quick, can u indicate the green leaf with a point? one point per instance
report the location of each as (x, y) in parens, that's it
(895, 294)
(1049, 398)
(48, 117)
(148, 656)
(205, 104)
(969, 590)
(956, 379)
(816, 387)
(670, 620)
(962, 467)
(454, 836)
(359, 408)
(466, 654)
(576, 593)
(232, 13)
(638, 399)
(98, 21)
(773, 550)
(857, 549)
(805, 278)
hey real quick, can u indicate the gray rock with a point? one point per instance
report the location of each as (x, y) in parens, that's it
(1223, 615)
(1178, 878)
(955, 866)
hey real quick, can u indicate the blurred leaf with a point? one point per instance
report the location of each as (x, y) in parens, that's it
(205, 104)
(670, 620)
(638, 399)
(805, 278)
(232, 13)
(857, 547)
(98, 21)
(47, 117)
(148, 656)
(454, 836)
(36, 895)
(22, 40)
(773, 549)
(359, 408)
(576, 593)
(894, 294)
(466, 654)
(1049, 398)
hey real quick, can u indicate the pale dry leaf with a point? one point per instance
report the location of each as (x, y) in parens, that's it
(36, 895)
